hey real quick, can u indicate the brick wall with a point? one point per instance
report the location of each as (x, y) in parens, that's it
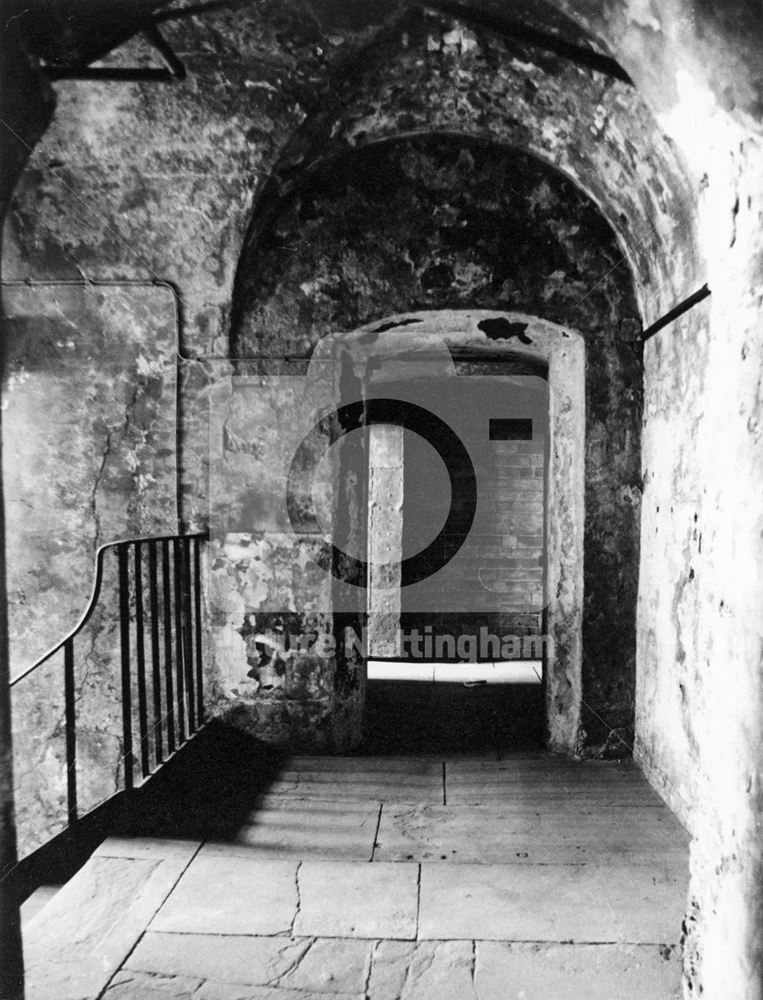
(495, 579)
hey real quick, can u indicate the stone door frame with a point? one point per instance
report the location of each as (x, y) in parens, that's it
(562, 351)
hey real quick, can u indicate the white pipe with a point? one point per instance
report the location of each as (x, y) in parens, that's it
(494, 672)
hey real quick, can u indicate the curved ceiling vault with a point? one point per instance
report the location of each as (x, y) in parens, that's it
(426, 72)
(536, 76)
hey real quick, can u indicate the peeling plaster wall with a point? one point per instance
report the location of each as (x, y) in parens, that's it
(89, 457)
(718, 46)
(700, 664)
(699, 701)
(427, 223)
(269, 603)
(89, 443)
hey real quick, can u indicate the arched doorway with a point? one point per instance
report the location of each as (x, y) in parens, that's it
(454, 224)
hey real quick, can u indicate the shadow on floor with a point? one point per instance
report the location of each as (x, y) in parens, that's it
(212, 785)
(409, 717)
(208, 788)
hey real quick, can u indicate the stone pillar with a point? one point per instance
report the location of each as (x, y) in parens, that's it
(385, 539)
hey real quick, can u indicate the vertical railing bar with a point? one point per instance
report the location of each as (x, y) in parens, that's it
(141, 661)
(156, 677)
(185, 550)
(124, 635)
(180, 681)
(198, 633)
(71, 732)
(171, 743)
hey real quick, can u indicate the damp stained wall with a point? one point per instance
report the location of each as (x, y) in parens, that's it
(89, 457)
(700, 647)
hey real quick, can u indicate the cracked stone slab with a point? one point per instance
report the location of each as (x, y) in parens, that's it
(358, 775)
(33, 904)
(231, 895)
(281, 787)
(219, 991)
(353, 899)
(331, 965)
(389, 968)
(503, 834)
(76, 943)
(304, 965)
(143, 986)
(427, 970)
(588, 903)
(127, 985)
(569, 971)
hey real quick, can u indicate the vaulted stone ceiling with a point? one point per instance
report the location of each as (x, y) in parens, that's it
(302, 83)
(721, 41)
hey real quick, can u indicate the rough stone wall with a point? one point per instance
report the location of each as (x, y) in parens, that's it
(700, 693)
(428, 223)
(89, 442)
(88, 457)
(39, 735)
(583, 123)
(269, 604)
(700, 643)
(669, 47)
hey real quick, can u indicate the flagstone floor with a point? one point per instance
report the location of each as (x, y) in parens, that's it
(387, 878)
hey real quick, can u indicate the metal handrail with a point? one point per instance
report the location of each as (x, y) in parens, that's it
(166, 625)
(94, 595)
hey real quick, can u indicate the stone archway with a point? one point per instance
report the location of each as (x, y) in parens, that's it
(444, 222)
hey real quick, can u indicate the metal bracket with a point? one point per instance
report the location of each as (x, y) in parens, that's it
(674, 313)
